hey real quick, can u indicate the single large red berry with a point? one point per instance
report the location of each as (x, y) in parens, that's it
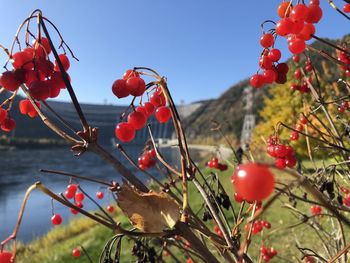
(256, 81)
(125, 132)
(44, 66)
(27, 108)
(299, 12)
(296, 46)
(284, 27)
(346, 8)
(120, 89)
(274, 54)
(282, 68)
(137, 120)
(39, 90)
(8, 124)
(136, 85)
(110, 208)
(100, 195)
(253, 182)
(56, 219)
(22, 59)
(157, 99)
(284, 9)
(79, 196)
(269, 76)
(9, 80)
(315, 14)
(267, 40)
(163, 114)
(149, 108)
(3, 114)
(307, 31)
(76, 252)
(65, 62)
(5, 257)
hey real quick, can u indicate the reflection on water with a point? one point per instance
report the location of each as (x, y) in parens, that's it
(20, 168)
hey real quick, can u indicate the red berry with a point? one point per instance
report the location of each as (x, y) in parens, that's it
(294, 136)
(44, 43)
(130, 73)
(8, 124)
(274, 54)
(26, 108)
(315, 14)
(56, 219)
(299, 13)
(284, 9)
(296, 46)
(297, 74)
(284, 27)
(253, 181)
(79, 196)
(290, 161)
(120, 89)
(296, 58)
(280, 163)
(136, 85)
(22, 59)
(9, 80)
(267, 40)
(76, 252)
(39, 90)
(265, 62)
(282, 68)
(69, 195)
(5, 257)
(149, 108)
(110, 208)
(163, 114)
(3, 115)
(57, 80)
(314, 2)
(100, 195)
(137, 120)
(297, 27)
(65, 62)
(72, 188)
(125, 132)
(256, 81)
(157, 99)
(346, 8)
(307, 31)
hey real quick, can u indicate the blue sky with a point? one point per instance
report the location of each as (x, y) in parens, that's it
(202, 47)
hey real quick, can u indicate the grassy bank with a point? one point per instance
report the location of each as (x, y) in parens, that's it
(57, 245)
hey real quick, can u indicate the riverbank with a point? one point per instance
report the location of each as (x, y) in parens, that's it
(29, 143)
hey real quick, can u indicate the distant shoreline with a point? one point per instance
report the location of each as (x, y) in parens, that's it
(30, 143)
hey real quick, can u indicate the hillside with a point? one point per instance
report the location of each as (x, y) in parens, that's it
(228, 109)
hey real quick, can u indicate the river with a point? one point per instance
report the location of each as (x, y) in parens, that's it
(20, 168)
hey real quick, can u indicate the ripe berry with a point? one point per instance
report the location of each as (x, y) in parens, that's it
(280, 163)
(163, 114)
(44, 43)
(100, 195)
(9, 80)
(72, 188)
(110, 208)
(299, 12)
(27, 108)
(65, 62)
(296, 46)
(284, 9)
(3, 115)
(79, 196)
(282, 68)
(307, 31)
(150, 109)
(136, 85)
(5, 257)
(76, 252)
(284, 27)
(294, 136)
(346, 8)
(238, 198)
(274, 54)
(267, 40)
(39, 90)
(125, 132)
(256, 81)
(130, 73)
(296, 58)
(254, 182)
(22, 59)
(137, 120)
(157, 99)
(316, 209)
(8, 124)
(297, 74)
(315, 14)
(56, 219)
(120, 89)
(297, 27)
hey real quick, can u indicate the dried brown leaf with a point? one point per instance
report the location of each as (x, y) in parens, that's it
(149, 212)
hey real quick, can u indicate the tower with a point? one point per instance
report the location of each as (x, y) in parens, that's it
(249, 117)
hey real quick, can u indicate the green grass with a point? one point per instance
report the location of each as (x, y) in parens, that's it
(57, 245)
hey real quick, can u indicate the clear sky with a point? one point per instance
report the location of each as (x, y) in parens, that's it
(203, 47)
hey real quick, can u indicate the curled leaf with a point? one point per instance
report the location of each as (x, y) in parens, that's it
(149, 212)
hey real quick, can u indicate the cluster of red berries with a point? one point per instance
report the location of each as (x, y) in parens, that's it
(33, 67)
(296, 24)
(345, 58)
(346, 198)
(343, 107)
(267, 253)
(7, 124)
(316, 210)
(133, 84)
(71, 193)
(258, 226)
(215, 164)
(27, 108)
(302, 85)
(284, 154)
(294, 136)
(147, 159)
(5, 256)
